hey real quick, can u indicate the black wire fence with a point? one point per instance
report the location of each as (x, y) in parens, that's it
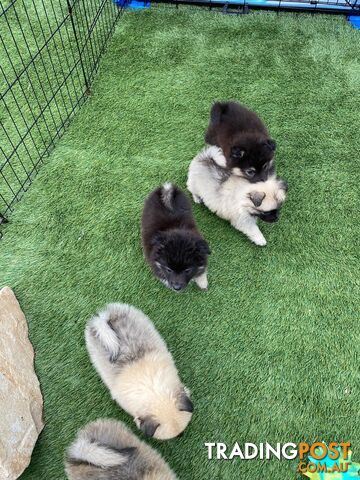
(49, 54)
(237, 7)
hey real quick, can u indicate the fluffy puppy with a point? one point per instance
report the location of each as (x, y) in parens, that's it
(248, 150)
(107, 450)
(173, 246)
(234, 198)
(134, 363)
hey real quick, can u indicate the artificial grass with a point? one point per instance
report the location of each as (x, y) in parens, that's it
(42, 81)
(271, 351)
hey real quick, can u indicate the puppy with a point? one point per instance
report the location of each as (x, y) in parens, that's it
(173, 246)
(248, 151)
(234, 198)
(107, 450)
(134, 363)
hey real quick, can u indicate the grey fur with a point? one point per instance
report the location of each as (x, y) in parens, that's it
(148, 425)
(167, 193)
(257, 198)
(135, 338)
(184, 403)
(137, 461)
(220, 173)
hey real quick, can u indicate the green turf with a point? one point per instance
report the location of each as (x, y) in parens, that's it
(271, 351)
(42, 81)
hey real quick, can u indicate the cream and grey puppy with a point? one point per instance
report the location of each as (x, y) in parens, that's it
(133, 361)
(107, 450)
(235, 198)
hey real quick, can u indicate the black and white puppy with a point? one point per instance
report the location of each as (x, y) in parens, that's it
(248, 150)
(234, 198)
(173, 246)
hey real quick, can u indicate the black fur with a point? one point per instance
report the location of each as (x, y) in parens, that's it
(172, 244)
(148, 426)
(128, 451)
(271, 216)
(244, 139)
(184, 404)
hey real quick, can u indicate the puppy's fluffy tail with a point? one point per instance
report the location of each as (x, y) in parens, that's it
(88, 448)
(212, 153)
(100, 328)
(167, 195)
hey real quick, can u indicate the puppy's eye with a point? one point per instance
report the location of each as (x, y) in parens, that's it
(188, 270)
(266, 166)
(250, 172)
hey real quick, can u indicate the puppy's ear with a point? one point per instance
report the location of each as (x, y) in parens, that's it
(217, 110)
(270, 144)
(203, 247)
(183, 403)
(237, 152)
(148, 425)
(158, 240)
(257, 198)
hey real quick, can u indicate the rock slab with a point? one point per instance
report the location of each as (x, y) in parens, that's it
(21, 402)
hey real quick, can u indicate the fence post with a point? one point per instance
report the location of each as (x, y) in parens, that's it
(86, 80)
(3, 219)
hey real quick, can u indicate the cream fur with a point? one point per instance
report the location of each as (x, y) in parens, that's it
(150, 385)
(202, 281)
(155, 393)
(230, 199)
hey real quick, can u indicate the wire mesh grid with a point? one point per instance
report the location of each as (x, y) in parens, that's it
(49, 51)
(349, 7)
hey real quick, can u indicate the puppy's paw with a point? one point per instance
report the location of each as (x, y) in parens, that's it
(202, 281)
(260, 241)
(196, 198)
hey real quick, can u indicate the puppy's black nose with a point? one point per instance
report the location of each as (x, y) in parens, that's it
(270, 216)
(177, 287)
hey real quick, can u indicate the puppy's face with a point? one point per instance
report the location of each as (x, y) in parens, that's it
(178, 257)
(267, 199)
(169, 416)
(251, 157)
